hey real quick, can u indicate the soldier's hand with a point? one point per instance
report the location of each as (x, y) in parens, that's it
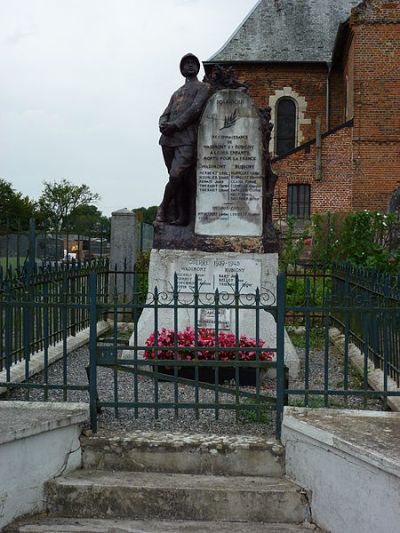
(169, 128)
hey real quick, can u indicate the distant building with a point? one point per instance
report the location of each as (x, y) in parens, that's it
(336, 62)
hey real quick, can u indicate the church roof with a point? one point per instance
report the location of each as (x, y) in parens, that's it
(287, 30)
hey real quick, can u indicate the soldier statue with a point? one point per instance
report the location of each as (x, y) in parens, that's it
(178, 127)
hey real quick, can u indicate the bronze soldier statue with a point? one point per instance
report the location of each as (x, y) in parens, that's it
(178, 127)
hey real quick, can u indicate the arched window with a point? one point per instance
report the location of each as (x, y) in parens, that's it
(285, 125)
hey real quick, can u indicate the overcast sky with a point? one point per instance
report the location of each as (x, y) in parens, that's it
(83, 83)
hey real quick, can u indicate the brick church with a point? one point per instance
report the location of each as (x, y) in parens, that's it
(330, 71)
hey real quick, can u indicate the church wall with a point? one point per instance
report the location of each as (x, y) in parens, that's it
(348, 80)
(337, 104)
(333, 191)
(376, 28)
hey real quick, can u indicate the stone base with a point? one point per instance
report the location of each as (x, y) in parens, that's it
(170, 237)
(215, 271)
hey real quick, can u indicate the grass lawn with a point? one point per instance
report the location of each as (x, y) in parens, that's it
(12, 261)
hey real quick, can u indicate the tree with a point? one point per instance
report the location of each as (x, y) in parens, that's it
(15, 209)
(59, 199)
(87, 219)
(148, 213)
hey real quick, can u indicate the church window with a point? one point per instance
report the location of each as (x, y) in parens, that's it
(288, 115)
(285, 125)
(299, 196)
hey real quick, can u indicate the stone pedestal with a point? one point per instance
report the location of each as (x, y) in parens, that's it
(215, 271)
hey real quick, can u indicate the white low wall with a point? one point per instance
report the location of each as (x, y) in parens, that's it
(38, 441)
(349, 460)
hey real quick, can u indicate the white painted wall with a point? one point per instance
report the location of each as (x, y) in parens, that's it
(38, 441)
(26, 464)
(350, 493)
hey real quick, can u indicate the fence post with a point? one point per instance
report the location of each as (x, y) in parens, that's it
(32, 246)
(280, 351)
(8, 331)
(92, 350)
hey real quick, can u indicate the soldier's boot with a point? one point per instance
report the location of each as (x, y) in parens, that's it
(181, 217)
(162, 210)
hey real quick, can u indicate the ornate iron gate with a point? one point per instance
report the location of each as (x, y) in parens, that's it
(229, 365)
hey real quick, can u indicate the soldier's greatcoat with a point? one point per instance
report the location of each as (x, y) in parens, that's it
(184, 109)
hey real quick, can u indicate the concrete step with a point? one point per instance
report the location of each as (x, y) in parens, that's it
(148, 495)
(63, 525)
(184, 453)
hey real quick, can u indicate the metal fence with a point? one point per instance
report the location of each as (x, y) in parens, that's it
(365, 306)
(228, 364)
(306, 281)
(370, 314)
(49, 305)
(43, 305)
(19, 245)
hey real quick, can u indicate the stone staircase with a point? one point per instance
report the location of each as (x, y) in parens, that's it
(166, 482)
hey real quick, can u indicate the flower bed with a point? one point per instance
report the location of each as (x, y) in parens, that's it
(206, 350)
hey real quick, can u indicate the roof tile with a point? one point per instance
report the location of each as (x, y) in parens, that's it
(287, 30)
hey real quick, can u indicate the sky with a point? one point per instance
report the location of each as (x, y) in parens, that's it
(83, 83)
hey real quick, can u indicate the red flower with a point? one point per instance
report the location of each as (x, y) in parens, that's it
(205, 339)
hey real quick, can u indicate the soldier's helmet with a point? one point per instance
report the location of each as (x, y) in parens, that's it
(191, 56)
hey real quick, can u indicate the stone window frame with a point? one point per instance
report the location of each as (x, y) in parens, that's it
(301, 108)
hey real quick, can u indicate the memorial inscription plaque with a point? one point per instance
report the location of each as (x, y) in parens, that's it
(230, 167)
(218, 273)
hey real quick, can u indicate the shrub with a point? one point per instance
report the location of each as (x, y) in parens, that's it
(362, 238)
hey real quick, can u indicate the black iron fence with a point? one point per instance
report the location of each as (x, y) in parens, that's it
(19, 245)
(363, 303)
(43, 305)
(212, 354)
(217, 351)
(370, 314)
(306, 282)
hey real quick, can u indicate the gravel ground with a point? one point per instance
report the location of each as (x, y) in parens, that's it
(335, 368)
(227, 423)
(79, 359)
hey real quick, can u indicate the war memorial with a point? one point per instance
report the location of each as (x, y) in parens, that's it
(215, 220)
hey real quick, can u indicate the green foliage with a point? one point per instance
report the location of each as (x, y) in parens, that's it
(316, 402)
(298, 337)
(59, 199)
(148, 214)
(296, 290)
(61, 206)
(87, 219)
(142, 269)
(142, 262)
(364, 241)
(14, 207)
(294, 244)
(325, 244)
(257, 412)
(362, 238)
